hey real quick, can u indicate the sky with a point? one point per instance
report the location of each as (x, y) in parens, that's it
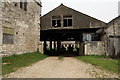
(104, 10)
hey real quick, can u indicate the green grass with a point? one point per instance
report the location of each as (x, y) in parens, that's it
(102, 62)
(14, 62)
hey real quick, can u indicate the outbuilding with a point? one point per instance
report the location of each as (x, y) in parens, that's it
(66, 24)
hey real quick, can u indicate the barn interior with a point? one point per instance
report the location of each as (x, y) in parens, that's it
(55, 37)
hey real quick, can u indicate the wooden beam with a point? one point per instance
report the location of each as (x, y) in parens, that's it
(58, 45)
(45, 47)
(50, 45)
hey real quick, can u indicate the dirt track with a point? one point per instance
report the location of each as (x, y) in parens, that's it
(68, 67)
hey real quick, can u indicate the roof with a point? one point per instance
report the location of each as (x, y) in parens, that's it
(112, 21)
(102, 31)
(73, 10)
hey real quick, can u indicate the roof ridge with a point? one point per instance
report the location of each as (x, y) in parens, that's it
(74, 10)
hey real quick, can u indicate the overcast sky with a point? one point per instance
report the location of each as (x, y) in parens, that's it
(104, 10)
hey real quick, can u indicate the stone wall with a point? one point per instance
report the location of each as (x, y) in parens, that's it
(41, 44)
(25, 27)
(0, 27)
(95, 48)
(113, 37)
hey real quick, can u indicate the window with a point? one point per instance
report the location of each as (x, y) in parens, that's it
(56, 21)
(16, 4)
(67, 21)
(23, 4)
(8, 35)
(7, 38)
(90, 37)
(87, 37)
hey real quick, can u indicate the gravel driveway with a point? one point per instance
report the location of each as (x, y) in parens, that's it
(68, 67)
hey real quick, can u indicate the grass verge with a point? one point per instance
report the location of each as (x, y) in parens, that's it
(102, 62)
(14, 62)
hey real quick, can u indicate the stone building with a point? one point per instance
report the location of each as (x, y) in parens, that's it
(0, 27)
(109, 38)
(20, 26)
(112, 37)
(66, 24)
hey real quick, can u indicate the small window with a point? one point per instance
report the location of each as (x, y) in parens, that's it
(67, 21)
(56, 21)
(90, 37)
(87, 37)
(7, 38)
(23, 4)
(16, 4)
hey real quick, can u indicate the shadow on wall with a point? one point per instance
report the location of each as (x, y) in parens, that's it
(113, 55)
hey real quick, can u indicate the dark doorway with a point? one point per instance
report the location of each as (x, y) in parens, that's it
(60, 48)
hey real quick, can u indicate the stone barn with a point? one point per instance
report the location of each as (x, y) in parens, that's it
(19, 26)
(112, 37)
(66, 24)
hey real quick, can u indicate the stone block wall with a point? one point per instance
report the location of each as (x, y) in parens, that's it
(95, 48)
(24, 25)
(113, 27)
(113, 37)
(41, 44)
(1, 27)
